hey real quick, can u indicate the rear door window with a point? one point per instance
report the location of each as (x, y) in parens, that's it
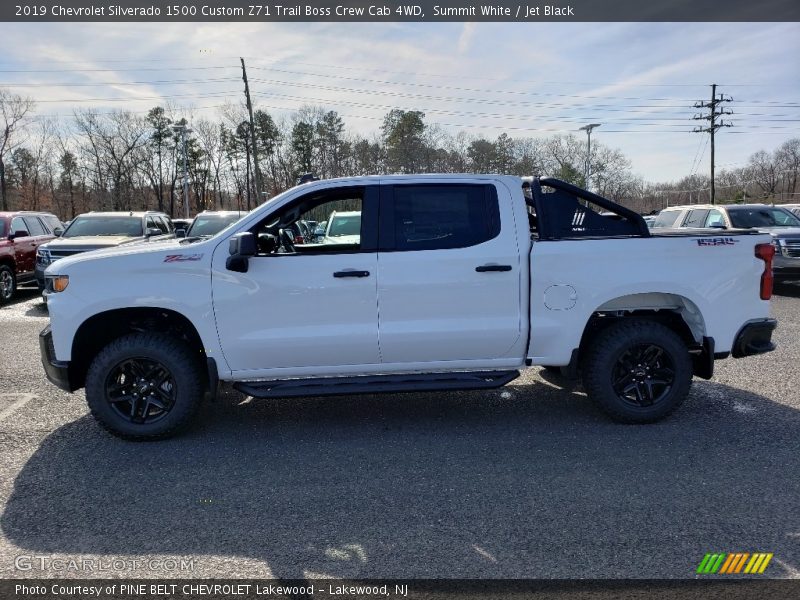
(696, 218)
(35, 227)
(441, 216)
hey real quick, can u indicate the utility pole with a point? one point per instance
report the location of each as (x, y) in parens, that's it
(587, 169)
(256, 170)
(713, 125)
(184, 130)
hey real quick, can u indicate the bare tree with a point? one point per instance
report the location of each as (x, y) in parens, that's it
(14, 110)
(764, 171)
(113, 138)
(788, 159)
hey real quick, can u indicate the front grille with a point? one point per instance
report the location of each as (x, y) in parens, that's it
(56, 254)
(791, 248)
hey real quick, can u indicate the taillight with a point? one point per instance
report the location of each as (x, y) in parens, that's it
(766, 252)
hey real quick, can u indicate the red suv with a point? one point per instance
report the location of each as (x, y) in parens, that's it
(21, 233)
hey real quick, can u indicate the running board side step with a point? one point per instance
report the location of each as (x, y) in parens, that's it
(374, 384)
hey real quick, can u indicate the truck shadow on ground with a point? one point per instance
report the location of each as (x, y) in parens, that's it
(526, 481)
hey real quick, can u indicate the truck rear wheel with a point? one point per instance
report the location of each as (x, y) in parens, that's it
(144, 386)
(638, 371)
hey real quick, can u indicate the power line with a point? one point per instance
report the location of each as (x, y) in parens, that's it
(527, 116)
(111, 70)
(140, 98)
(104, 83)
(459, 88)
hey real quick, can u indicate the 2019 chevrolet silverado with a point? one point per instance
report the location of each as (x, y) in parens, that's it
(450, 282)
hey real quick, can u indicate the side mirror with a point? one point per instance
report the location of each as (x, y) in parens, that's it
(151, 231)
(19, 233)
(58, 231)
(241, 247)
(180, 233)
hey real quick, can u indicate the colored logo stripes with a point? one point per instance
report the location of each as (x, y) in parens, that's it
(732, 563)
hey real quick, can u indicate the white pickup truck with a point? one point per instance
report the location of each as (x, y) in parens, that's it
(454, 282)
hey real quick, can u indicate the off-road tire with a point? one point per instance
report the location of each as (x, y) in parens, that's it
(7, 276)
(177, 359)
(614, 346)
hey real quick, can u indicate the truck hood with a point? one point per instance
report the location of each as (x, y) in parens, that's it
(166, 247)
(781, 232)
(90, 242)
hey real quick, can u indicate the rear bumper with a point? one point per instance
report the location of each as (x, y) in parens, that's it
(754, 338)
(57, 371)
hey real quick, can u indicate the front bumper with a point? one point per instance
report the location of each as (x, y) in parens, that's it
(785, 268)
(754, 338)
(57, 371)
(39, 273)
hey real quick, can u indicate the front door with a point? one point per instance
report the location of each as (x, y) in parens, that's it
(303, 307)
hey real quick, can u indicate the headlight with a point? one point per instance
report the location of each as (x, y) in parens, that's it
(43, 257)
(56, 283)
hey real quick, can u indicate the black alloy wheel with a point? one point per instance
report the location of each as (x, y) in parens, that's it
(643, 375)
(141, 390)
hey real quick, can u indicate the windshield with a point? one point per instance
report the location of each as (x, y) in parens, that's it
(210, 225)
(349, 225)
(747, 218)
(84, 226)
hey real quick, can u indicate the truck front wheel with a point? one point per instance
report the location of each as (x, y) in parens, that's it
(144, 386)
(638, 371)
(8, 284)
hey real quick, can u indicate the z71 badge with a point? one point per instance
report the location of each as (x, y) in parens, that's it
(718, 241)
(182, 257)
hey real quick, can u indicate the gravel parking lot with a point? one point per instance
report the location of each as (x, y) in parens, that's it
(526, 481)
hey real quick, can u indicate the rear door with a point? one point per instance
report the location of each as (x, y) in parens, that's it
(24, 246)
(448, 273)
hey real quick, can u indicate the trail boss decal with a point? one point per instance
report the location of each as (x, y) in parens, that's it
(182, 257)
(720, 241)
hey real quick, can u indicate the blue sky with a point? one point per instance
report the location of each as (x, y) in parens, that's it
(639, 80)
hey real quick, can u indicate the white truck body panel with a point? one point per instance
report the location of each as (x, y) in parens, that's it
(717, 287)
(424, 311)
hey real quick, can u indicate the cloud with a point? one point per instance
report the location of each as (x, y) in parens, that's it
(465, 39)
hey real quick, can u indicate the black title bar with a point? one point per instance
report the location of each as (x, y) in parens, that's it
(255, 11)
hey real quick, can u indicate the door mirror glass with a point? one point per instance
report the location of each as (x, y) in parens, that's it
(151, 231)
